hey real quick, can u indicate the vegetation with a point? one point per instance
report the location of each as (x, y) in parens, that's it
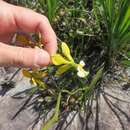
(115, 17)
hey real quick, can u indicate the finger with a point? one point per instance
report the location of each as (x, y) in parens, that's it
(6, 38)
(30, 21)
(24, 57)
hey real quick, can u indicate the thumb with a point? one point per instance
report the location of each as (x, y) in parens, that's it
(24, 57)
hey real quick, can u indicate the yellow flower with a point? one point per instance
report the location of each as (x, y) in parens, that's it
(35, 77)
(66, 62)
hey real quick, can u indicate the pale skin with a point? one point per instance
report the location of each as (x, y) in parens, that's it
(14, 18)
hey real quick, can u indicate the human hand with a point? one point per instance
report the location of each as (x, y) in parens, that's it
(13, 18)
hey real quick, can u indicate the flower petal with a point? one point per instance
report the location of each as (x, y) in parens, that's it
(81, 72)
(21, 38)
(57, 59)
(66, 51)
(26, 73)
(82, 63)
(62, 69)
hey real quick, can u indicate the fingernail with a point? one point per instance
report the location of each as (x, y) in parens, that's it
(41, 58)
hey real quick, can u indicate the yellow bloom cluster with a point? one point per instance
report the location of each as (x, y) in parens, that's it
(65, 61)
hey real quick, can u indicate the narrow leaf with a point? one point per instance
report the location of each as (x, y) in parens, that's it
(54, 118)
(126, 62)
(52, 5)
(96, 77)
(128, 54)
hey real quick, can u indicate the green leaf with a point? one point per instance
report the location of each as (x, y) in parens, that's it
(126, 62)
(57, 59)
(96, 77)
(66, 51)
(89, 88)
(63, 69)
(42, 2)
(54, 118)
(128, 54)
(52, 6)
(116, 18)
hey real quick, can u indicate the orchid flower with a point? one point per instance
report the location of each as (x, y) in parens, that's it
(65, 61)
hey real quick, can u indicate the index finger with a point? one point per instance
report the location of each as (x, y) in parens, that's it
(30, 21)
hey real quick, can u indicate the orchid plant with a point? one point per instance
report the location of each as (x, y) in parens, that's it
(62, 62)
(65, 62)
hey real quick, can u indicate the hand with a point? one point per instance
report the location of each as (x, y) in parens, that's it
(13, 18)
